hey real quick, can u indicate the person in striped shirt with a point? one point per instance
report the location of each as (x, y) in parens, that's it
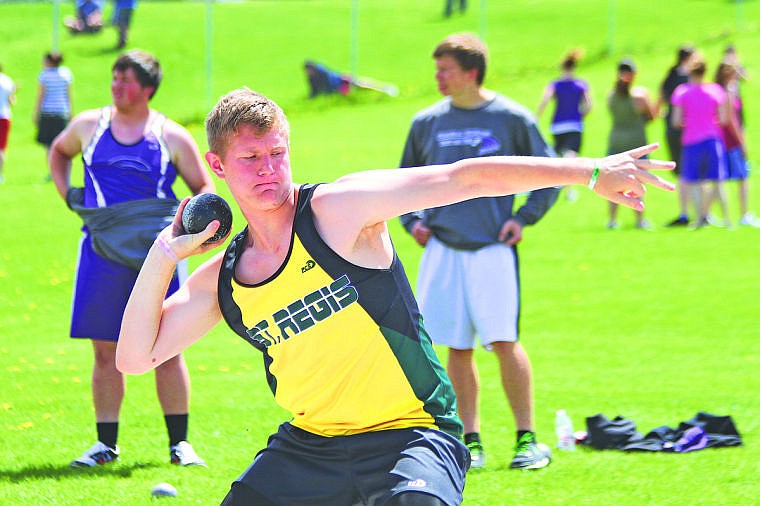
(52, 111)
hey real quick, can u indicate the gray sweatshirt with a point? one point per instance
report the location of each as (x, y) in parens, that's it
(444, 134)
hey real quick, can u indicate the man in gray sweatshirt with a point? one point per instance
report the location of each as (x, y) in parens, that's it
(468, 282)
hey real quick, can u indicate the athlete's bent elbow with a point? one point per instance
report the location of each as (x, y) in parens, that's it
(130, 366)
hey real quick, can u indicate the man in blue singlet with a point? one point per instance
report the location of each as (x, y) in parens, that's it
(314, 284)
(132, 155)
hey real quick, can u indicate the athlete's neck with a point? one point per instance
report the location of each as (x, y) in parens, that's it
(269, 228)
(696, 79)
(128, 126)
(472, 98)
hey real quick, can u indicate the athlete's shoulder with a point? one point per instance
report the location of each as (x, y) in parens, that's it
(84, 124)
(433, 111)
(639, 92)
(681, 90)
(88, 116)
(581, 83)
(716, 89)
(177, 137)
(157, 117)
(223, 263)
(502, 104)
(235, 247)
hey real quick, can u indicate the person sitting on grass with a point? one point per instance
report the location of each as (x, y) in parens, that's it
(89, 17)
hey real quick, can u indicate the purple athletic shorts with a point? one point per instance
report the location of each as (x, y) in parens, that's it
(703, 161)
(101, 291)
(737, 164)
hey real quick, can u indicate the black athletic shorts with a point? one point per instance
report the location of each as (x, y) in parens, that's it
(50, 125)
(568, 141)
(673, 138)
(301, 468)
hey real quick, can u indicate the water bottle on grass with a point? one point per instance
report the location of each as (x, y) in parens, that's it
(565, 434)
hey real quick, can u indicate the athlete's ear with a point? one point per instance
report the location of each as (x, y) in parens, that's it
(149, 91)
(215, 163)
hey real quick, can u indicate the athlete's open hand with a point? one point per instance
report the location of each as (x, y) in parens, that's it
(622, 177)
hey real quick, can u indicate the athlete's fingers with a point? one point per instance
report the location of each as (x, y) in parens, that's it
(177, 228)
(182, 205)
(210, 230)
(651, 179)
(627, 199)
(648, 164)
(642, 150)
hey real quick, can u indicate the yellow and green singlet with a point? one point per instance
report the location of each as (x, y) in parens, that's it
(344, 346)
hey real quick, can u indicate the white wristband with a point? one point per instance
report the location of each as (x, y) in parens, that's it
(594, 177)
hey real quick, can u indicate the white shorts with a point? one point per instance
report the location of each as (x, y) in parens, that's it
(467, 293)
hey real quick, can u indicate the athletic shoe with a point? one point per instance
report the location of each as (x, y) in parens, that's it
(529, 455)
(98, 455)
(701, 223)
(644, 225)
(183, 454)
(749, 220)
(477, 455)
(714, 222)
(612, 225)
(681, 221)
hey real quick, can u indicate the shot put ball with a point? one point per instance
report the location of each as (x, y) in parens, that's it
(202, 210)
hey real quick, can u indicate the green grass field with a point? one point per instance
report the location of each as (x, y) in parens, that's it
(653, 326)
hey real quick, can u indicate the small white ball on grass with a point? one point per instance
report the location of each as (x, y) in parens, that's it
(164, 490)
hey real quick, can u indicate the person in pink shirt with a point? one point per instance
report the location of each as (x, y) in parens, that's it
(701, 109)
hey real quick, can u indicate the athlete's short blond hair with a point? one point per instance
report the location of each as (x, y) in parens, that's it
(242, 107)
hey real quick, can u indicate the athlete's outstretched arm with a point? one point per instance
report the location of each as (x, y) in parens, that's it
(364, 199)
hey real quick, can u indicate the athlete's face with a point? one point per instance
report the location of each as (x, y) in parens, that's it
(626, 76)
(256, 168)
(126, 90)
(452, 79)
